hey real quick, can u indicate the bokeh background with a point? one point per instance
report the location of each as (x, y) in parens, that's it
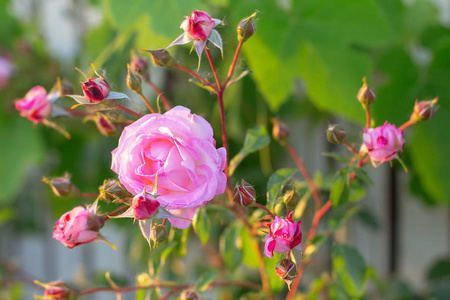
(308, 59)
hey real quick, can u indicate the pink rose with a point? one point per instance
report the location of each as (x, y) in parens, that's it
(178, 147)
(144, 206)
(198, 25)
(35, 106)
(96, 89)
(284, 235)
(6, 69)
(78, 226)
(383, 142)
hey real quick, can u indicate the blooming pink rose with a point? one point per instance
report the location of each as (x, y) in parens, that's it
(96, 89)
(6, 69)
(198, 25)
(78, 226)
(179, 148)
(383, 142)
(35, 106)
(284, 235)
(144, 206)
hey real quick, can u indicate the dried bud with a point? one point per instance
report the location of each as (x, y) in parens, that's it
(366, 95)
(95, 89)
(139, 65)
(291, 199)
(134, 81)
(286, 270)
(335, 134)
(161, 58)
(62, 186)
(113, 190)
(423, 110)
(280, 130)
(104, 124)
(158, 233)
(145, 206)
(244, 194)
(189, 295)
(246, 28)
(56, 290)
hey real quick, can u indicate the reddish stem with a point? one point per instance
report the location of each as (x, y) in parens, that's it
(350, 147)
(89, 195)
(202, 80)
(407, 124)
(160, 94)
(367, 118)
(266, 209)
(115, 212)
(127, 110)
(78, 113)
(213, 67)
(147, 103)
(233, 64)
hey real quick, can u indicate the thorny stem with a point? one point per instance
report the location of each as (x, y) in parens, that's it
(115, 212)
(202, 80)
(233, 64)
(407, 124)
(367, 118)
(266, 209)
(160, 94)
(127, 110)
(147, 103)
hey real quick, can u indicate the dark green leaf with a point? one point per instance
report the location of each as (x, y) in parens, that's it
(439, 270)
(248, 249)
(368, 218)
(339, 190)
(361, 174)
(341, 216)
(231, 245)
(205, 280)
(202, 225)
(276, 184)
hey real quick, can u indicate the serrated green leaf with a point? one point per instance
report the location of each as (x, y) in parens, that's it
(231, 245)
(205, 280)
(276, 183)
(340, 158)
(202, 225)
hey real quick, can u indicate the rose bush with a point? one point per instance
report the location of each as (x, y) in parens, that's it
(284, 236)
(35, 106)
(179, 150)
(383, 142)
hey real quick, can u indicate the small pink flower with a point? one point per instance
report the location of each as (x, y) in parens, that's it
(145, 206)
(198, 25)
(78, 226)
(56, 290)
(35, 106)
(6, 69)
(284, 236)
(383, 142)
(96, 89)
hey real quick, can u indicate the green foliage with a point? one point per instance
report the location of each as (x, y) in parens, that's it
(205, 280)
(340, 188)
(231, 245)
(276, 183)
(202, 225)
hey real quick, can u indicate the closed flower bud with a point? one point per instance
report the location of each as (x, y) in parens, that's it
(280, 130)
(244, 194)
(56, 290)
(246, 28)
(134, 81)
(335, 134)
(96, 89)
(139, 65)
(144, 206)
(113, 190)
(62, 186)
(366, 95)
(423, 110)
(189, 295)
(104, 124)
(291, 199)
(286, 270)
(158, 233)
(162, 58)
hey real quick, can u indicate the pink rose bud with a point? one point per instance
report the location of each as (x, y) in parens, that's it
(284, 236)
(366, 95)
(113, 190)
(161, 58)
(104, 124)
(198, 25)
(383, 142)
(6, 70)
(335, 134)
(62, 186)
(95, 89)
(35, 106)
(246, 28)
(139, 65)
(57, 290)
(280, 130)
(158, 233)
(144, 206)
(244, 194)
(78, 226)
(286, 269)
(423, 110)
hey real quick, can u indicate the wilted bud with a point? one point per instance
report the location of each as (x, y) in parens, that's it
(95, 89)
(144, 206)
(113, 190)
(104, 124)
(134, 81)
(286, 270)
(158, 233)
(189, 295)
(244, 194)
(246, 28)
(280, 130)
(423, 110)
(291, 199)
(62, 186)
(56, 290)
(366, 95)
(335, 134)
(162, 58)
(139, 65)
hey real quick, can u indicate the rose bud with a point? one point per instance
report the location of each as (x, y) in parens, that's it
(162, 58)
(35, 106)
(366, 95)
(189, 295)
(284, 235)
(280, 130)
(286, 269)
(198, 25)
(383, 142)
(335, 134)
(291, 199)
(56, 290)
(244, 194)
(139, 65)
(158, 233)
(113, 190)
(104, 124)
(423, 110)
(95, 89)
(144, 206)
(134, 81)
(246, 28)
(62, 186)
(78, 226)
